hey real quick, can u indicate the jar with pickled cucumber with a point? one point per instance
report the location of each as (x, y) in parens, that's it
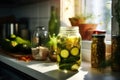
(69, 48)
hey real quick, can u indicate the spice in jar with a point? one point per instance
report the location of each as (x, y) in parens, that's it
(98, 51)
(115, 55)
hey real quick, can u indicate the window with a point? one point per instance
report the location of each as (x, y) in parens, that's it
(66, 11)
(100, 9)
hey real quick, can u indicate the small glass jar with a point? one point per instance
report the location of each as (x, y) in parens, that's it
(40, 37)
(69, 48)
(98, 51)
(39, 41)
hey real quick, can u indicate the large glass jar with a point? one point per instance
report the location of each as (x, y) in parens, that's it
(69, 48)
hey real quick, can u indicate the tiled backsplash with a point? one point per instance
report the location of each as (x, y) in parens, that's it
(38, 14)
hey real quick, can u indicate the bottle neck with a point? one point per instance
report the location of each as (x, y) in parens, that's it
(53, 12)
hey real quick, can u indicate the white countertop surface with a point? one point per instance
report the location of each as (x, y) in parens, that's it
(46, 70)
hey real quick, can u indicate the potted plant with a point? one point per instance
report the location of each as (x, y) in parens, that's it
(80, 19)
(86, 27)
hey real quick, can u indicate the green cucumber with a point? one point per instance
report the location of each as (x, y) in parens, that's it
(70, 59)
(69, 66)
(65, 66)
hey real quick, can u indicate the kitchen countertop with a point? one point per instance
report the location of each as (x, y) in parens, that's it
(46, 70)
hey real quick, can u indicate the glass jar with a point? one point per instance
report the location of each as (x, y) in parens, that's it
(69, 48)
(40, 37)
(39, 41)
(115, 55)
(98, 51)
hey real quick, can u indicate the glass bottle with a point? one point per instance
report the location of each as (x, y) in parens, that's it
(98, 49)
(53, 26)
(69, 48)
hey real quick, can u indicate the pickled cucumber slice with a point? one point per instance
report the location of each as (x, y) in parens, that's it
(69, 66)
(75, 67)
(74, 51)
(58, 58)
(64, 53)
